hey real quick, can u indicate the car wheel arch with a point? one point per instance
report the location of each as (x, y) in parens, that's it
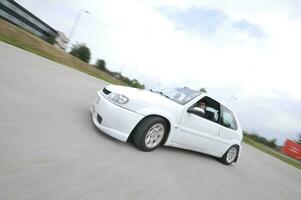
(238, 147)
(148, 116)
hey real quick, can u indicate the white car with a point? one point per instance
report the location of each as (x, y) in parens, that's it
(171, 117)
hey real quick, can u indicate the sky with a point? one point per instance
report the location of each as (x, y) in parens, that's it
(245, 53)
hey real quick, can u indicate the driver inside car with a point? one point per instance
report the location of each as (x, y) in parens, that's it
(207, 114)
(202, 105)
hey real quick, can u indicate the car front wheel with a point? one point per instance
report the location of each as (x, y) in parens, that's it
(150, 133)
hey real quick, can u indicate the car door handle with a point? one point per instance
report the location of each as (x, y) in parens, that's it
(220, 130)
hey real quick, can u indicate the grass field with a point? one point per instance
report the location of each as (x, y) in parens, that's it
(18, 37)
(273, 152)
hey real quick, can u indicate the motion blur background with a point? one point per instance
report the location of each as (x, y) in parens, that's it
(245, 53)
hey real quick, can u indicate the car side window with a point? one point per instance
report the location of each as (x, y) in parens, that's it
(211, 107)
(228, 119)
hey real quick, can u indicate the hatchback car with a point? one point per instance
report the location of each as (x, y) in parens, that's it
(177, 117)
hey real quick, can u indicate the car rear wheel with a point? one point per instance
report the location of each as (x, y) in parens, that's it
(150, 133)
(230, 156)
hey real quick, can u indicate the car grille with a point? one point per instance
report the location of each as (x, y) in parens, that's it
(105, 91)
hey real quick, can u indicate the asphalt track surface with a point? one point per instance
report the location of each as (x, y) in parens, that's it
(49, 148)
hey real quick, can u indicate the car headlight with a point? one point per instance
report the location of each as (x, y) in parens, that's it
(118, 98)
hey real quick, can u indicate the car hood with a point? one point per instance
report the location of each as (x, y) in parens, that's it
(140, 98)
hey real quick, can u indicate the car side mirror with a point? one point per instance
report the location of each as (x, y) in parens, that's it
(196, 110)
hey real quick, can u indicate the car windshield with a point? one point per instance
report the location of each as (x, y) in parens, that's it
(179, 95)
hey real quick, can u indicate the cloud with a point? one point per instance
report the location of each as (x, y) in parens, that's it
(251, 29)
(195, 20)
(274, 116)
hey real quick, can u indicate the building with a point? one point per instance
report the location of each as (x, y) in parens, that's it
(14, 13)
(61, 40)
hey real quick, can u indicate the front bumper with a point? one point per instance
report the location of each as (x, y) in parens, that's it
(112, 119)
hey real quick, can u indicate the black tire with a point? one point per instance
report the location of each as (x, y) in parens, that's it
(141, 131)
(226, 161)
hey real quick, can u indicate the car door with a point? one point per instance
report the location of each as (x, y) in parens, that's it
(198, 133)
(228, 130)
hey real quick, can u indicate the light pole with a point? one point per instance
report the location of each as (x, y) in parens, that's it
(75, 24)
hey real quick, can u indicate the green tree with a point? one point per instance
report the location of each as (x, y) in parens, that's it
(51, 39)
(135, 83)
(253, 136)
(81, 51)
(272, 143)
(101, 64)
